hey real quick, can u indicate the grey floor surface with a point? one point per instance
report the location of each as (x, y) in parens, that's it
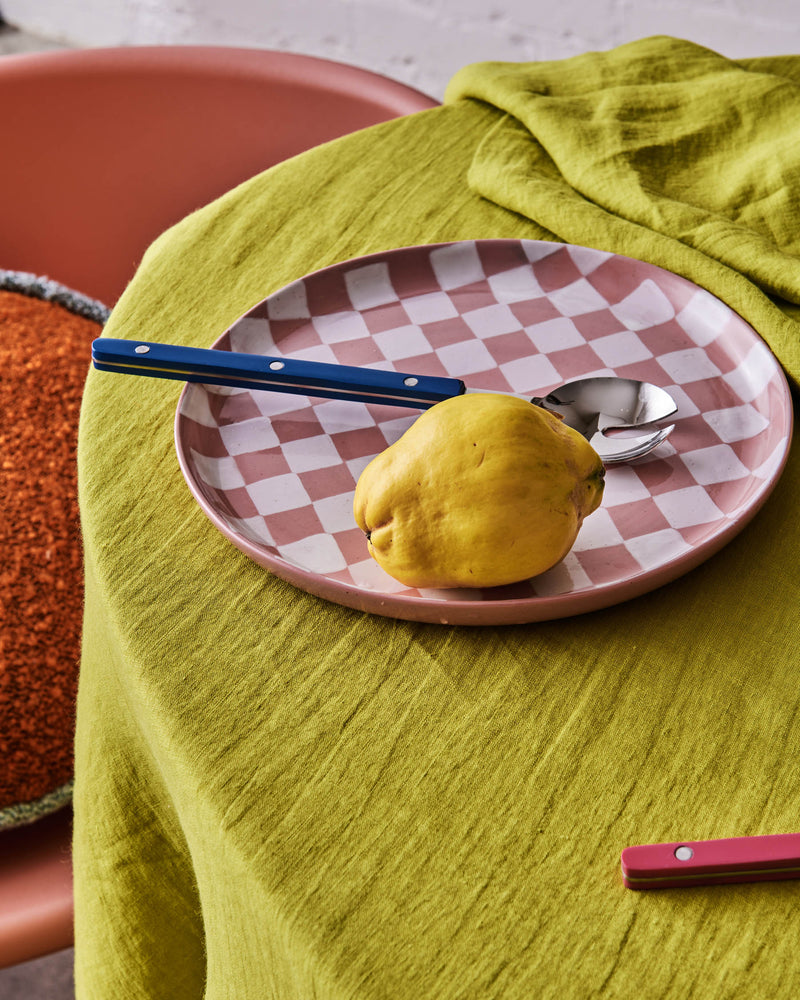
(12, 40)
(48, 978)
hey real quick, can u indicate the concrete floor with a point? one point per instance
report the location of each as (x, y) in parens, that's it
(48, 978)
(12, 41)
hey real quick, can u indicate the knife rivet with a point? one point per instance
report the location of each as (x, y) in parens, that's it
(276, 365)
(684, 853)
(141, 349)
(410, 380)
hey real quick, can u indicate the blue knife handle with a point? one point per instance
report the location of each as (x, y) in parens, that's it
(258, 371)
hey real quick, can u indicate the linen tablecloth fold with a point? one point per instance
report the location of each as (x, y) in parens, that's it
(279, 797)
(661, 150)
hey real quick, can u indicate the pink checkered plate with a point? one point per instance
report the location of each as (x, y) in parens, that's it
(276, 473)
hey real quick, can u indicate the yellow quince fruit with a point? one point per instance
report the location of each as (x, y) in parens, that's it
(482, 490)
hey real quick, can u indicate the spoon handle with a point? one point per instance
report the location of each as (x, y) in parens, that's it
(258, 371)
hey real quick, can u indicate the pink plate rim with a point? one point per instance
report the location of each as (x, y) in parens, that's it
(512, 611)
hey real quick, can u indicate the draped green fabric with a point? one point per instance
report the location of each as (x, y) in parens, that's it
(660, 150)
(277, 797)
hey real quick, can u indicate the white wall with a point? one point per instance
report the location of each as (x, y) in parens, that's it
(421, 42)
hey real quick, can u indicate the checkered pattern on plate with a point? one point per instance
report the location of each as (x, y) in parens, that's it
(518, 316)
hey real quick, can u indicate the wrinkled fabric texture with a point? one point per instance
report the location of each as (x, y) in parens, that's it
(661, 150)
(279, 797)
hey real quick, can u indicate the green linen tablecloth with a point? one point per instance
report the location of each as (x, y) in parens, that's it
(277, 797)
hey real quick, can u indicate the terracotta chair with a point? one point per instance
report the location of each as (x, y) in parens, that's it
(107, 148)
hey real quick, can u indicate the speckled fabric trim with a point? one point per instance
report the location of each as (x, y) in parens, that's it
(40, 287)
(28, 812)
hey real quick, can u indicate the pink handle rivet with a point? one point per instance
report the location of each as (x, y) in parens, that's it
(684, 853)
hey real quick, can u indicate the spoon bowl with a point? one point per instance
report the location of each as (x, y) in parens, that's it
(603, 407)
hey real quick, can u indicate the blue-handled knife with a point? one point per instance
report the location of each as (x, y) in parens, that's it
(258, 371)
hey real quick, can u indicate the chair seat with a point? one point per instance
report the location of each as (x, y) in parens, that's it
(36, 896)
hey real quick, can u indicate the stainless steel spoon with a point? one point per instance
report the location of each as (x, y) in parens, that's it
(592, 406)
(597, 406)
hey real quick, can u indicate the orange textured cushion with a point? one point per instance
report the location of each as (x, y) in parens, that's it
(45, 352)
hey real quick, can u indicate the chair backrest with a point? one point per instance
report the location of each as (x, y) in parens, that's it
(106, 148)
